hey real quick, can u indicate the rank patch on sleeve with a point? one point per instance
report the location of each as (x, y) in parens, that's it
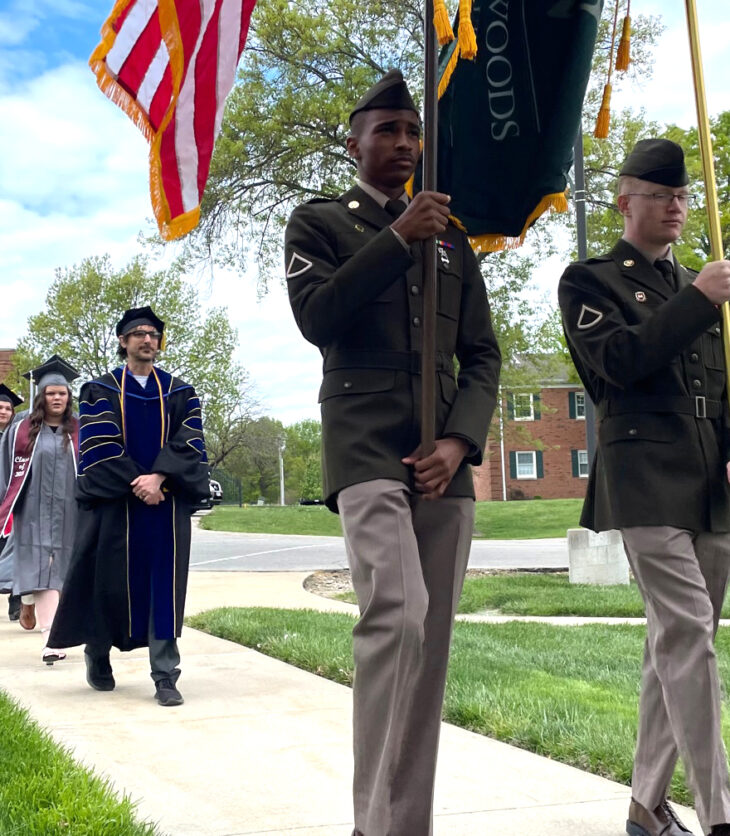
(297, 265)
(588, 317)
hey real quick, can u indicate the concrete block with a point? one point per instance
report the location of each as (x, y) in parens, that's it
(597, 558)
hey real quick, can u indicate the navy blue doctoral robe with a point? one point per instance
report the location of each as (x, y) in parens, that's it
(128, 555)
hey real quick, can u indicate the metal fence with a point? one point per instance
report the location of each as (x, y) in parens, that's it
(230, 485)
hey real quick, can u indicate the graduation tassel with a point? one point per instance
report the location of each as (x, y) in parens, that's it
(604, 113)
(441, 22)
(623, 56)
(467, 36)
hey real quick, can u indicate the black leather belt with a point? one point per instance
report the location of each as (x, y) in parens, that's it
(402, 361)
(698, 406)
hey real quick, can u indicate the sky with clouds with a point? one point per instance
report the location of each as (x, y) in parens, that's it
(74, 175)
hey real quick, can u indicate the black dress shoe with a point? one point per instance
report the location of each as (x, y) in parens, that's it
(720, 830)
(14, 607)
(660, 822)
(167, 694)
(99, 672)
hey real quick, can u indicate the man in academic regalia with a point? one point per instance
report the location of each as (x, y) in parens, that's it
(355, 279)
(8, 401)
(142, 468)
(645, 336)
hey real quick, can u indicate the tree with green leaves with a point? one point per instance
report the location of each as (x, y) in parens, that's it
(79, 320)
(302, 460)
(256, 460)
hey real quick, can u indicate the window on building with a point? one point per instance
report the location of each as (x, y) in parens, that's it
(579, 461)
(583, 464)
(526, 464)
(524, 407)
(577, 405)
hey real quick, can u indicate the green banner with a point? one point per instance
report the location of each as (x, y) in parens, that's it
(508, 120)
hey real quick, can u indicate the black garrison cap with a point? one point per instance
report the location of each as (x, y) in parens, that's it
(7, 394)
(390, 92)
(139, 316)
(658, 161)
(54, 372)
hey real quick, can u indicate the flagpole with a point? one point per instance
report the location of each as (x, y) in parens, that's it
(708, 166)
(428, 346)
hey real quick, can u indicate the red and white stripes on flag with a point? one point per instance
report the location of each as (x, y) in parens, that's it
(169, 64)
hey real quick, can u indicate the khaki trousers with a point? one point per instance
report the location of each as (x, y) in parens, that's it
(683, 578)
(408, 559)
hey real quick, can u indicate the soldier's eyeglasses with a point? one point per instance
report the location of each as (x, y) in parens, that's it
(140, 335)
(665, 198)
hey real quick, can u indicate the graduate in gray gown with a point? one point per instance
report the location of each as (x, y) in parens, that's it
(8, 401)
(37, 484)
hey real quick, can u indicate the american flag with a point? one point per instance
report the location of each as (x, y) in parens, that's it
(169, 64)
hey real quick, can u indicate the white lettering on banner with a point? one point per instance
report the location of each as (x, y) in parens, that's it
(500, 93)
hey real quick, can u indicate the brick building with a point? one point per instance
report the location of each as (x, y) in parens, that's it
(542, 445)
(6, 361)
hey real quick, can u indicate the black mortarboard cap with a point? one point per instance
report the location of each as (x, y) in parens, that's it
(658, 161)
(7, 394)
(54, 372)
(391, 92)
(139, 316)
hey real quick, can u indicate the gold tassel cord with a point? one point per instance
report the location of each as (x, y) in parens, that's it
(442, 23)
(603, 120)
(623, 56)
(467, 36)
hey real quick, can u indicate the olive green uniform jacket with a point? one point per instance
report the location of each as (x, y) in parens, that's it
(651, 358)
(357, 294)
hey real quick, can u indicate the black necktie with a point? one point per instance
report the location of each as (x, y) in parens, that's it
(667, 270)
(395, 208)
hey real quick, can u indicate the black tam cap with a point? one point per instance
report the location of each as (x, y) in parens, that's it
(135, 317)
(7, 394)
(658, 161)
(391, 92)
(54, 372)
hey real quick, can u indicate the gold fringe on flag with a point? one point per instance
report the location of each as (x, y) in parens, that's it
(467, 36)
(449, 70)
(623, 56)
(442, 23)
(170, 228)
(493, 243)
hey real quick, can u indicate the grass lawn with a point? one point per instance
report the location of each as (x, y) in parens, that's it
(44, 792)
(537, 593)
(494, 520)
(569, 693)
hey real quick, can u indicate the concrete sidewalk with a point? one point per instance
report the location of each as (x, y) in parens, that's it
(260, 747)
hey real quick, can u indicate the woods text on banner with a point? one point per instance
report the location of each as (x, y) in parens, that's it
(508, 119)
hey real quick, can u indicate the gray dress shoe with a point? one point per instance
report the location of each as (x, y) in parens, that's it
(660, 822)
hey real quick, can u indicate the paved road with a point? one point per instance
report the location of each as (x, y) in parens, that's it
(222, 551)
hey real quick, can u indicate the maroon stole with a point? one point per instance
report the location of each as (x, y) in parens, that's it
(22, 459)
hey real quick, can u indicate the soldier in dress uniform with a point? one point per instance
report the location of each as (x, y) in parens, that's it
(645, 335)
(355, 278)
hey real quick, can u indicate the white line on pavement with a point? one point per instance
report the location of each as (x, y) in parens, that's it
(258, 554)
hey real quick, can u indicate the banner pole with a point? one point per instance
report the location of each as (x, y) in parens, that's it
(428, 345)
(708, 166)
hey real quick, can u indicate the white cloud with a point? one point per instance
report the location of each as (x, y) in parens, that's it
(67, 145)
